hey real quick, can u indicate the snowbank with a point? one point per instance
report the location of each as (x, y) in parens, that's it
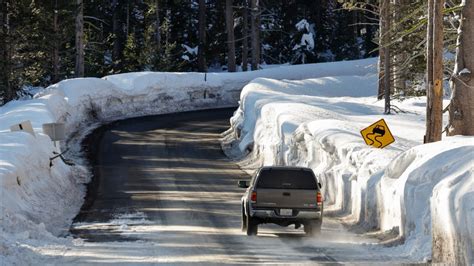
(420, 192)
(38, 201)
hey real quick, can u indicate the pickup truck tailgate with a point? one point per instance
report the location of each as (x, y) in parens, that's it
(286, 198)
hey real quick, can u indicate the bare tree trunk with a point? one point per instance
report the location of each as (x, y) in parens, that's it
(381, 67)
(387, 60)
(258, 47)
(245, 32)
(255, 28)
(434, 106)
(55, 77)
(79, 69)
(202, 66)
(429, 55)
(5, 55)
(401, 54)
(355, 24)
(116, 48)
(157, 26)
(229, 19)
(127, 20)
(167, 33)
(461, 108)
(381, 61)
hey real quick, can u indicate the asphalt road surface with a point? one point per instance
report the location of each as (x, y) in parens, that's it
(166, 193)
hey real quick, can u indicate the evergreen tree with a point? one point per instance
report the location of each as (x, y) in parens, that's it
(38, 44)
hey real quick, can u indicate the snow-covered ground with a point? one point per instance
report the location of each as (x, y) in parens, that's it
(422, 194)
(39, 200)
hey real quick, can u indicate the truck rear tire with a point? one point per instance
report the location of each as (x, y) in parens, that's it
(252, 226)
(243, 224)
(312, 228)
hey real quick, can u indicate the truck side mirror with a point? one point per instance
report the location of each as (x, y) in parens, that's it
(243, 184)
(319, 185)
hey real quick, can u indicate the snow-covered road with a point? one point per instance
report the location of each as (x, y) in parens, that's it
(167, 194)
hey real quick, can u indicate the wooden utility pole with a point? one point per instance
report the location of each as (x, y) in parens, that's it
(461, 108)
(245, 33)
(229, 19)
(255, 33)
(79, 69)
(434, 91)
(202, 66)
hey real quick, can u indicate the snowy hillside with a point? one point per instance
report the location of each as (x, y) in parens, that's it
(421, 193)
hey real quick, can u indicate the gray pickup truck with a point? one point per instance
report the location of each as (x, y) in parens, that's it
(283, 196)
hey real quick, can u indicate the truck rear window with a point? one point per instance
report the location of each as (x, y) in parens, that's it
(286, 179)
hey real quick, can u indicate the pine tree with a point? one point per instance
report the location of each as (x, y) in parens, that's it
(39, 47)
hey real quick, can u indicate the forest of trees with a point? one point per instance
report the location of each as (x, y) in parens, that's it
(43, 42)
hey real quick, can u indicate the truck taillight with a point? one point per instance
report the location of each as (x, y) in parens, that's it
(253, 197)
(319, 198)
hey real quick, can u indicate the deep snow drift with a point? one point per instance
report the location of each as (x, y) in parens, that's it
(38, 201)
(422, 193)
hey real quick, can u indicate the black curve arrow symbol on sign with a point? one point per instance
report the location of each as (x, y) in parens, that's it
(369, 137)
(378, 141)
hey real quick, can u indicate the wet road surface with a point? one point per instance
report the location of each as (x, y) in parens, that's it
(166, 193)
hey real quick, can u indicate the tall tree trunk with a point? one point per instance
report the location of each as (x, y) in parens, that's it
(167, 32)
(381, 59)
(5, 55)
(79, 69)
(116, 30)
(245, 33)
(127, 20)
(157, 26)
(381, 68)
(434, 106)
(229, 19)
(429, 56)
(355, 24)
(401, 54)
(461, 108)
(55, 76)
(202, 66)
(255, 33)
(258, 47)
(387, 59)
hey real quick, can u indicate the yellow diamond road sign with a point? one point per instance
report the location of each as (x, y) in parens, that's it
(377, 135)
